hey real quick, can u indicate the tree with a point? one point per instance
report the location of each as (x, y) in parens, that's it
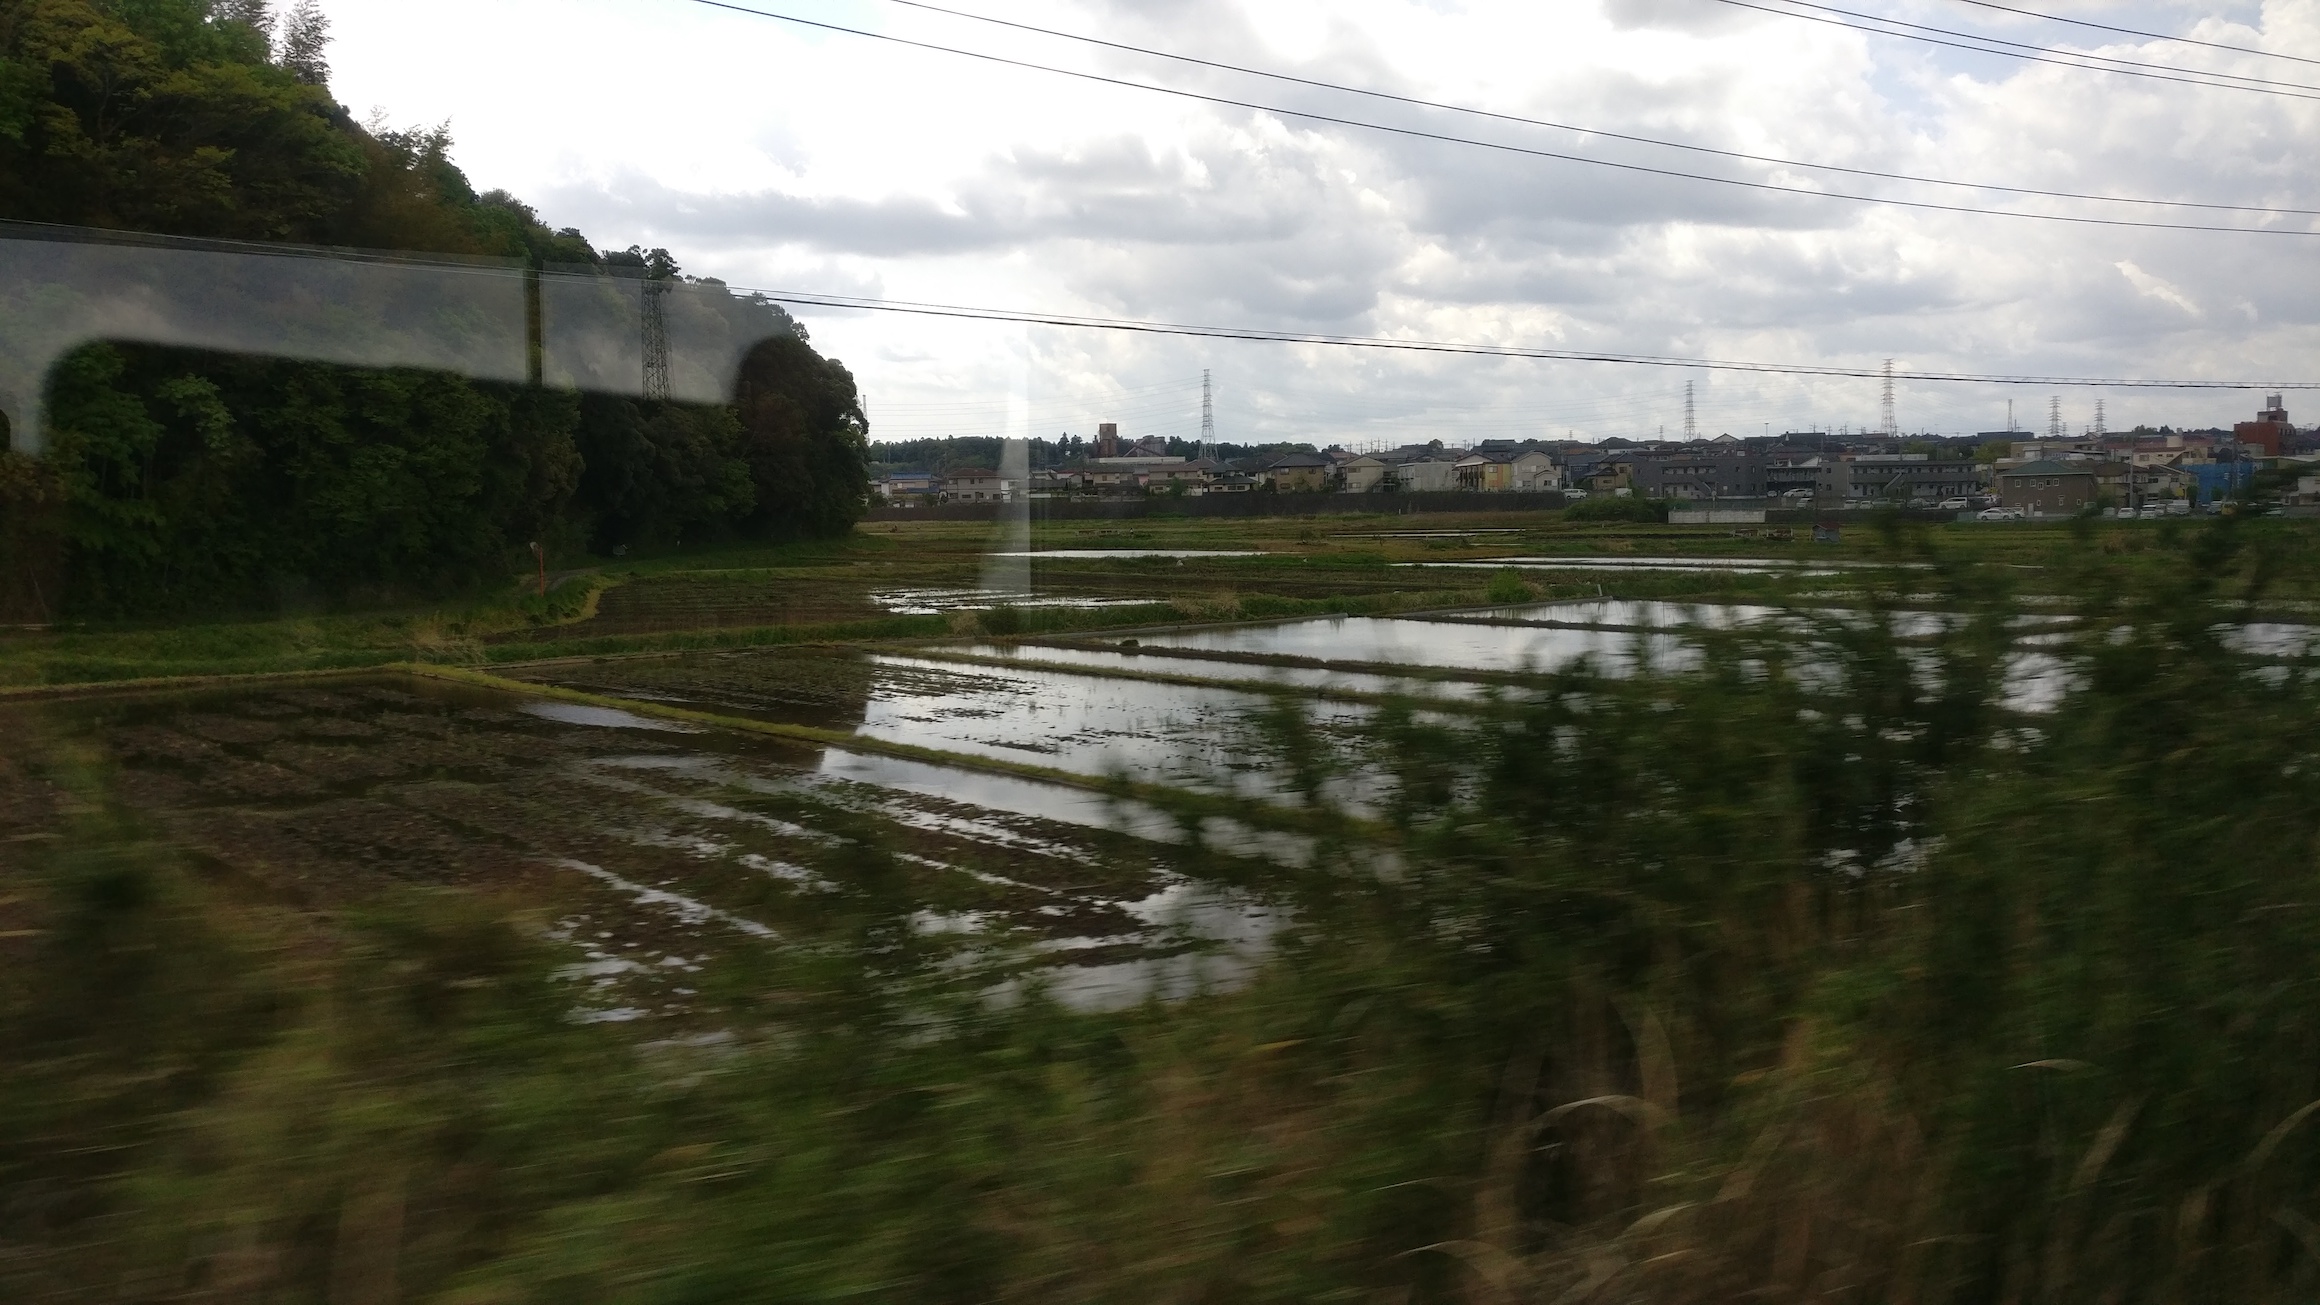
(256, 15)
(805, 438)
(180, 479)
(305, 37)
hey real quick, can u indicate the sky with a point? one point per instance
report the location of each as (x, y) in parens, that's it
(785, 158)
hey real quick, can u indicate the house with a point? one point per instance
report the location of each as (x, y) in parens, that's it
(1299, 473)
(907, 488)
(2049, 488)
(1425, 469)
(1125, 474)
(1699, 471)
(1808, 477)
(1599, 474)
(979, 485)
(1910, 476)
(1504, 471)
(1366, 474)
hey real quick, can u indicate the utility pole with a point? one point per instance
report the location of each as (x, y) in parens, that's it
(1207, 417)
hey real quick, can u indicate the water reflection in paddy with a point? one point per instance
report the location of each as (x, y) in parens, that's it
(1623, 611)
(1104, 554)
(1158, 733)
(1734, 565)
(1156, 663)
(1448, 645)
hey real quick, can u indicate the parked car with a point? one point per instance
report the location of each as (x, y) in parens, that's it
(1999, 514)
(1953, 505)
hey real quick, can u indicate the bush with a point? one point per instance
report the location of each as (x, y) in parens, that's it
(1508, 586)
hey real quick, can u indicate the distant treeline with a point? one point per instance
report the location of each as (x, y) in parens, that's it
(181, 480)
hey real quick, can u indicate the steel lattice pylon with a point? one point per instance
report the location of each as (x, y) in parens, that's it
(656, 341)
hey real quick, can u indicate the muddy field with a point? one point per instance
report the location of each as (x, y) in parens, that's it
(663, 852)
(651, 849)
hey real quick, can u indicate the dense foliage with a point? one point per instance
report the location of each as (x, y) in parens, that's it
(179, 480)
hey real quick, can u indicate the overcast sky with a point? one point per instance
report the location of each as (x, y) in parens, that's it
(779, 157)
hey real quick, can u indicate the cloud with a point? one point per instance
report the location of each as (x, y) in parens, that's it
(775, 157)
(2151, 287)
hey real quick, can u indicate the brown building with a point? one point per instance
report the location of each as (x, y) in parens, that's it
(1300, 473)
(2269, 431)
(1107, 439)
(2048, 489)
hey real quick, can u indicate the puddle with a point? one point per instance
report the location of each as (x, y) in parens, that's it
(1428, 534)
(1157, 733)
(613, 718)
(2272, 639)
(1621, 612)
(1225, 934)
(1084, 554)
(1731, 565)
(934, 602)
(1445, 644)
(1158, 662)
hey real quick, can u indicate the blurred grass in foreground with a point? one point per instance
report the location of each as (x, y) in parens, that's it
(1811, 972)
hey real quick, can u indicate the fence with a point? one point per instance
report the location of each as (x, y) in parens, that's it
(1234, 505)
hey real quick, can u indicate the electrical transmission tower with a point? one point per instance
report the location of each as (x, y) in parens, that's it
(656, 341)
(2101, 423)
(1207, 417)
(1691, 427)
(2054, 418)
(1890, 428)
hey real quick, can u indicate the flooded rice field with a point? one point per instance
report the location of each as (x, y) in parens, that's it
(654, 851)
(1183, 736)
(657, 850)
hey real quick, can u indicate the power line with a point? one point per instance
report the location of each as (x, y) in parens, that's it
(2130, 31)
(1491, 115)
(2033, 53)
(1490, 350)
(1527, 151)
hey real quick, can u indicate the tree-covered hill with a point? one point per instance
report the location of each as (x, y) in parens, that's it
(177, 480)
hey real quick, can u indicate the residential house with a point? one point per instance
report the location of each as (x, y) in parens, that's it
(1504, 471)
(2049, 488)
(1299, 473)
(1699, 471)
(1425, 469)
(1126, 475)
(907, 488)
(979, 485)
(1910, 476)
(1366, 474)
